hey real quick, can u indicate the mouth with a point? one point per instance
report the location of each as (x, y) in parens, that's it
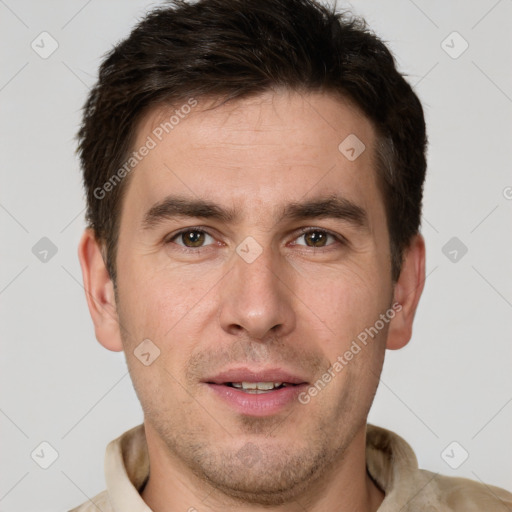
(253, 380)
(256, 392)
(257, 388)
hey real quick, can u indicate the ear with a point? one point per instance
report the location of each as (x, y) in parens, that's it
(407, 293)
(99, 291)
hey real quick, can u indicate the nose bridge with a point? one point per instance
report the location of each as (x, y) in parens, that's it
(259, 276)
(255, 298)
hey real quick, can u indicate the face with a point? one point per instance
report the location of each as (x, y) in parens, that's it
(252, 250)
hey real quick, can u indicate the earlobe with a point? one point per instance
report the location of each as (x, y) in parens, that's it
(407, 293)
(99, 291)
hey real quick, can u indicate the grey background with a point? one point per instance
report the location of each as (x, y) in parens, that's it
(451, 383)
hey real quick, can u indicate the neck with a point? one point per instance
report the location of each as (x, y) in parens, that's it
(345, 486)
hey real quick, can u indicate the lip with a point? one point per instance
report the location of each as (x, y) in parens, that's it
(264, 404)
(250, 375)
(261, 404)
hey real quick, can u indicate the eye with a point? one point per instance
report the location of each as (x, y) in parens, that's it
(317, 238)
(190, 238)
(196, 238)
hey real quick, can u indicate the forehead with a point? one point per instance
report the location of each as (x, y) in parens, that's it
(260, 151)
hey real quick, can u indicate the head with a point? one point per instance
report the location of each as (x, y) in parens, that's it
(254, 176)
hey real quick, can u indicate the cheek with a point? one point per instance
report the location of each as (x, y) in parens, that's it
(347, 299)
(153, 310)
(158, 294)
(171, 308)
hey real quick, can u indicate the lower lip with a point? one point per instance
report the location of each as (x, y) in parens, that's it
(261, 404)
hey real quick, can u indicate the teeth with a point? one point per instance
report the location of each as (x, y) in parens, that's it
(256, 386)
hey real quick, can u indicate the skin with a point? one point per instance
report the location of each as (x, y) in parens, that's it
(295, 306)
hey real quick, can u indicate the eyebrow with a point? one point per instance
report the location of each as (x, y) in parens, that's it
(334, 207)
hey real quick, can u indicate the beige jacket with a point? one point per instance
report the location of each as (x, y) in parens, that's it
(389, 460)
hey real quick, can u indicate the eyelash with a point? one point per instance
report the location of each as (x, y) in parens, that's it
(339, 238)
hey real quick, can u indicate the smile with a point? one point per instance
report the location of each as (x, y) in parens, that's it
(258, 387)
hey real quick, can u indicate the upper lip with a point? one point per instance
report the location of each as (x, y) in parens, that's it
(252, 375)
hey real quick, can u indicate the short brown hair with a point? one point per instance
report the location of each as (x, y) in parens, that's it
(231, 49)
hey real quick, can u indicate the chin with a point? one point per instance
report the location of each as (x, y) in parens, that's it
(261, 475)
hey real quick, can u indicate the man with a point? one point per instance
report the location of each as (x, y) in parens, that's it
(254, 175)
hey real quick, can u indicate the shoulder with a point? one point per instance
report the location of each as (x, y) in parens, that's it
(392, 464)
(99, 502)
(465, 495)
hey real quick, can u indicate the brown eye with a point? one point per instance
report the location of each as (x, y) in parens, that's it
(191, 238)
(316, 238)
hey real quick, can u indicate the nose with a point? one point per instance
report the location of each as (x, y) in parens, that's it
(257, 300)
